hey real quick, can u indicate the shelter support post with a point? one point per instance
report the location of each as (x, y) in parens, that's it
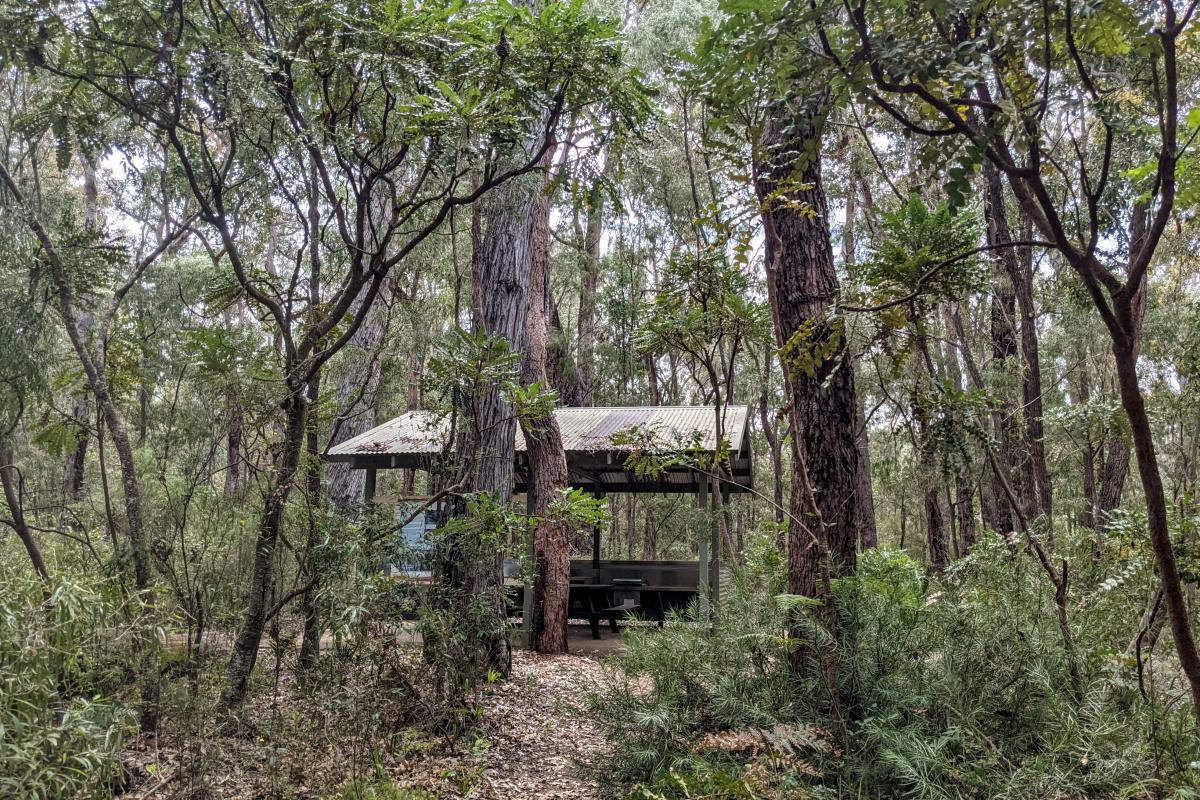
(715, 533)
(369, 486)
(702, 556)
(527, 597)
(596, 539)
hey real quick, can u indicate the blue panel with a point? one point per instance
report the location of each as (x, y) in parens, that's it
(413, 547)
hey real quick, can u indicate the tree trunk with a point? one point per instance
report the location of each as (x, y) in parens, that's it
(560, 366)
(774, 445)
(1031, 382)
(97, 379)
(802, 287)
(1114, 469)
(585, 363)
(81, 412)
(1156, 511)
(927, 380)
(547, 459)
(81, 403)
(1083, 392)
(649, 538)
(414, 365)
(1004, 346)
(234, 427)
(487, 440)
(964, 504)
(963, 508)
(868, 533)
(310, 644)
(245, 646)
(16, 510)
(935, 532)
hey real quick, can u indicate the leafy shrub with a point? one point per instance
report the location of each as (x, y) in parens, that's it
(61, 652)
(670, 687)
(955, 688)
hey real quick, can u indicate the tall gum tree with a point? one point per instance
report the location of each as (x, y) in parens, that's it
(547, 479)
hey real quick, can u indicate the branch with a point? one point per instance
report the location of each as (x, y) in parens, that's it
(936, 268)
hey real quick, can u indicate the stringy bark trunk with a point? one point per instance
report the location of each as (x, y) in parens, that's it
(547, 459)
(802, 286)
(502, 267)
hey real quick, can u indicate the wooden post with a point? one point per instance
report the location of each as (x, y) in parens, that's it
(369, 487)
(716, 545)
(527, 597)
(596, 540)
(702, 556)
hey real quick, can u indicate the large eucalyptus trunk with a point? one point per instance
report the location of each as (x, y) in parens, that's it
(802, 287)
(547, 460)
(486, 441)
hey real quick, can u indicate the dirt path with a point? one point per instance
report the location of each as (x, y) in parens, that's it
(535, 729)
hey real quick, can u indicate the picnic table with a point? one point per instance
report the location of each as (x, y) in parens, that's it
(597, 601)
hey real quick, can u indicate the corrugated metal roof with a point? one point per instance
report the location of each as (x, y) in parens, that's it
(583, 430)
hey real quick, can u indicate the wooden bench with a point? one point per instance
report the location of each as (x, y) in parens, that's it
(594, 602)
(611, 613)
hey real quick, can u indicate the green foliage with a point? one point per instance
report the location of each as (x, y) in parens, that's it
(703, 303)
(61, 657)
(467, 367)
(463, 612)
(670, 687)
(957, 689)
(926, 254)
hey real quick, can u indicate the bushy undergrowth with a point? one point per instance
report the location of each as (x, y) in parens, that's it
(64, 652)
(951, 688)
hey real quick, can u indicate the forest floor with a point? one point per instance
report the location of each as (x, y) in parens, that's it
(531, 741)
(536, 732)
